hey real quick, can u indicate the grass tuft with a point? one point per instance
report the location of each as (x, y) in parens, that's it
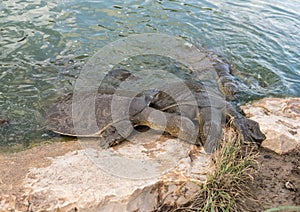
(226, 188)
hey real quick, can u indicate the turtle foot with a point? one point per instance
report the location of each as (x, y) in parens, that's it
(249, 130)
(110, 137)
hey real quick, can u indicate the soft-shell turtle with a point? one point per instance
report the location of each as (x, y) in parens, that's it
(198, 121)
(111, 130)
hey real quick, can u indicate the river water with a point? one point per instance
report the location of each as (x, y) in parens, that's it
(43, 45)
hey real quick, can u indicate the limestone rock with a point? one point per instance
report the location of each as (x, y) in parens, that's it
(279, 119)
(138, 175)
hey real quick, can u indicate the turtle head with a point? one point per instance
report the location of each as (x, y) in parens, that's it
(150, 95)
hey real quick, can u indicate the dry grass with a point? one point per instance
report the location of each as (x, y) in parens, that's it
(226, 188)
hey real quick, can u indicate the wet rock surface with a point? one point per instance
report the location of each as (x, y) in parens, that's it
(279, 120)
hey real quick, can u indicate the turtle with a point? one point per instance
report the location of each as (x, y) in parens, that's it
(196, 116)
(189, 121)
(110, 130)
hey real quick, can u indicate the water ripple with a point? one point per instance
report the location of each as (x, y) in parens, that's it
(43, 45)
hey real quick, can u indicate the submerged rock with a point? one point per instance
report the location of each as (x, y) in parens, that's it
(279, 120)
(4, 121)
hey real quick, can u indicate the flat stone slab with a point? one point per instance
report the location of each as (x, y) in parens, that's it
(279, 120)
(137, 175)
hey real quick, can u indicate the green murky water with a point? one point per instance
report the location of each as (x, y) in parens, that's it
(43, 45)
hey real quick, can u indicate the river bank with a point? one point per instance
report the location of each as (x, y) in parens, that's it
(44, 177)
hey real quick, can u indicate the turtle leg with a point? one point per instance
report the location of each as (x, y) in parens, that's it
(248, 129)
(176, 125)
(115, 134)
(211, 123)
(110, 137)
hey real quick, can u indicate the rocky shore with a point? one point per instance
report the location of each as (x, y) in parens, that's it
(279, 120)
(72, 176)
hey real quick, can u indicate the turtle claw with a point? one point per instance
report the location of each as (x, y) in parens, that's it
(110, 137)
(249, 130)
